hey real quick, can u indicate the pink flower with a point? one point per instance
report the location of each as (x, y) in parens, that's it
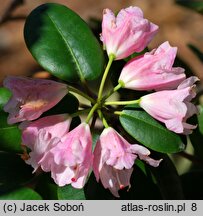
(127, 33)
(72, 157)
(114, 158)
(42, 135)
(31, 97)
(153, 70)
(173, 107)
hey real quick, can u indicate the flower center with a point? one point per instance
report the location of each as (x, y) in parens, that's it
(34, 104)
(76, 170)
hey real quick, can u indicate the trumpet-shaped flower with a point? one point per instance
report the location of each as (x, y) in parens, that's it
(42, 135)
(153, 70)
(72, 158)
(31, 97)
(127, 33)
(173, 107)
(114, 158)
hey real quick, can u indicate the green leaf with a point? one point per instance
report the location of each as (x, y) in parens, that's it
(70, 193)
(168, 180)
(200, 119)
(22, 193)
(10, 135)
(149, 132)
(195, 5)
(63, 44)
(14, 172)
(5, 94)
(95, 136)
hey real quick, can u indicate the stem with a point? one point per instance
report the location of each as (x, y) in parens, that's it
(112, 91)
(117, 112)
(122, 102)
(77, 91)
(91, 113)
(111, 58)
(103, 119)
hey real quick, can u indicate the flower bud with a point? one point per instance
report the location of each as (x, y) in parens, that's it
(153, 70)
(173, 107)
(31, 97)
(114, 158)
(42, 135)
(73, 157)
(127, 33)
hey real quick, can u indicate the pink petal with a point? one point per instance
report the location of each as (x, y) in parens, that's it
(129, 32)
(56, 125)
(31, 97)
(62, 175)
(114, 180)
(188, 82)
(153, 71)
(74, 154)
(188, 128)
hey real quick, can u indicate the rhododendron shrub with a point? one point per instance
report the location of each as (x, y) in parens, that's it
(72, 138)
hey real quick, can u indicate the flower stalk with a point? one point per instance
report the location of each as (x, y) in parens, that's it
(94, 108)
(111, 59)
(122, 102)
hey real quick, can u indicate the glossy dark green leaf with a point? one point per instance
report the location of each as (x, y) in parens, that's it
(23, 193)
(95, 136)
(14, 172)
(70, 193)
(149, 132)
(168, 180)
(200, 119)
(195, 5)
(62, 43)
(5, 94)
(10, 135)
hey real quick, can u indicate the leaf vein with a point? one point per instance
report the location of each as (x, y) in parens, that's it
(69, 47)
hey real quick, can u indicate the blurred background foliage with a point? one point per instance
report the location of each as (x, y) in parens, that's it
(179, 175)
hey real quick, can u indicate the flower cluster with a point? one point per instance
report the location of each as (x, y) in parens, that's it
(68, 154)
